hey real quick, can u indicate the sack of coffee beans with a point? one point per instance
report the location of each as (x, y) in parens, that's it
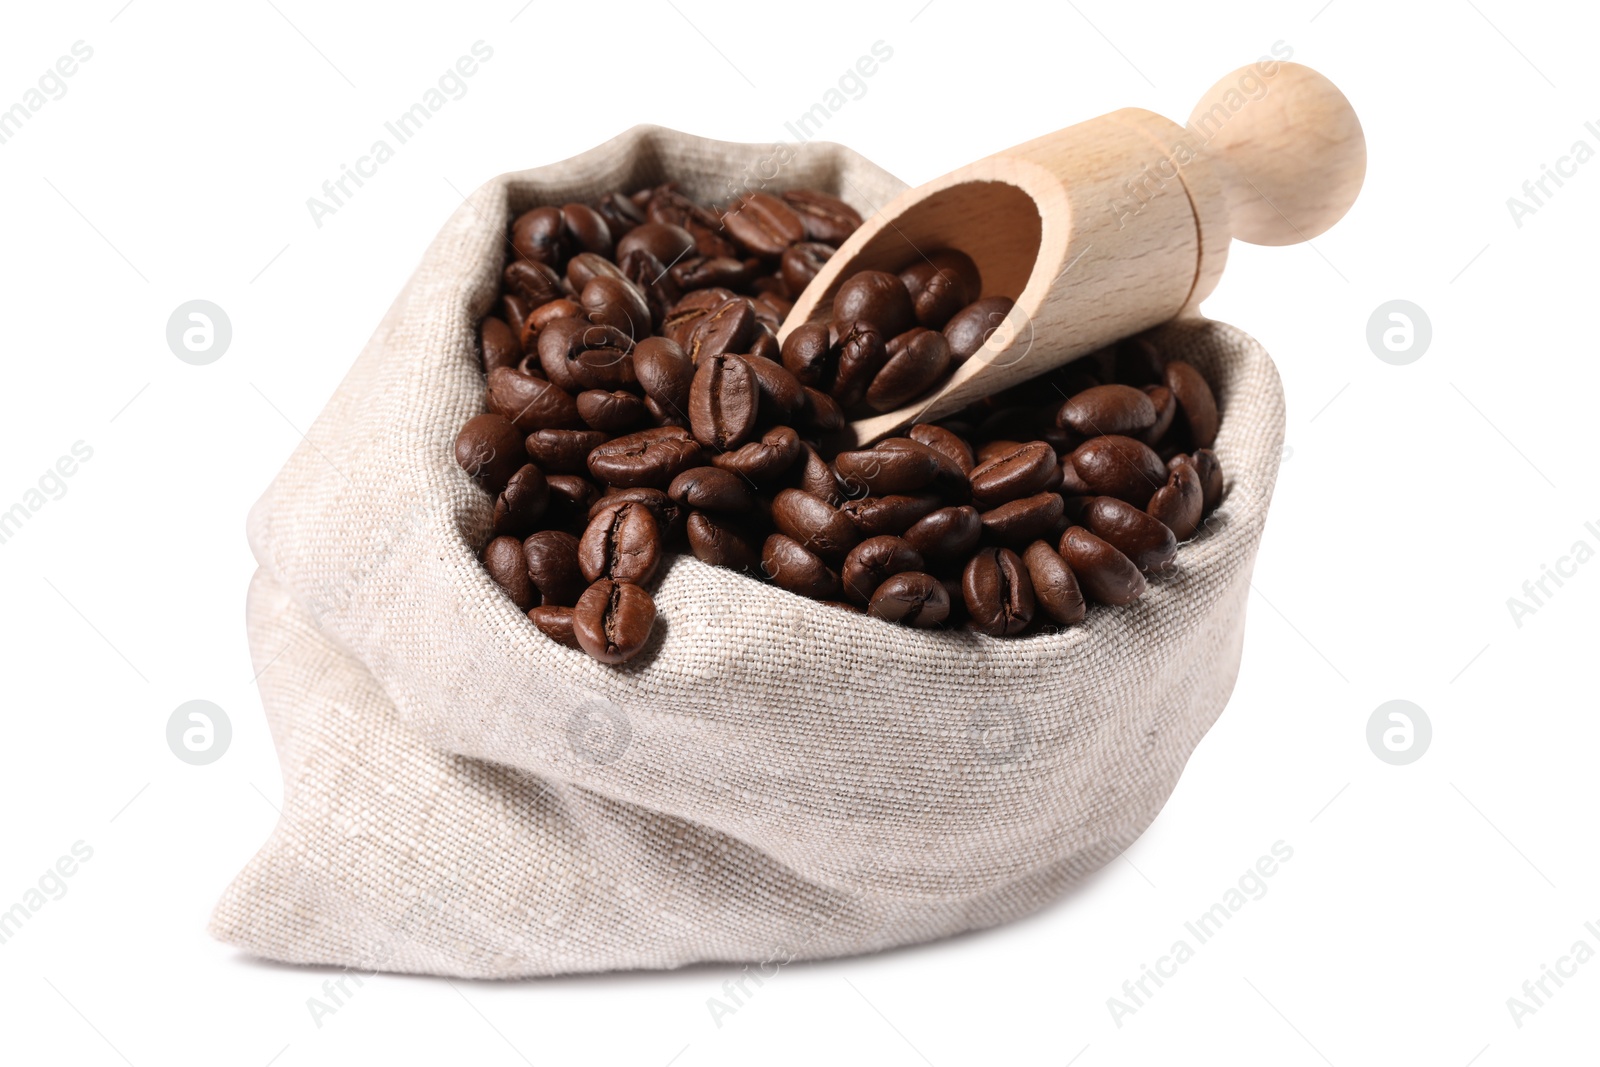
(769, 776)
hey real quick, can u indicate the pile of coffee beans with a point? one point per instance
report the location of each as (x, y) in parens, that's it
(639, 404)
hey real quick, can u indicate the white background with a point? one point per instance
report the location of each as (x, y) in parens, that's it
(1414, 500)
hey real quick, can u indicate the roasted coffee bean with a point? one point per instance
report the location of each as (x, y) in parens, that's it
(540, 235)
(948, 479)
(937, 293)
(1121, 467)
(872, 562)
(825, 218)
(945, 443)
(765, 344)
(1103, 572)
(723, 542)
(1055, 587)
(668, 514)
(894, 514)
(782, 396)
(612, 412)
(1145, 540)
(514, 310)
(617, 303)
(622, 542)
(946, 535)
(954, 261)
(814, 523)
(1179, 503)
(1013, 474)
(1210, 471)
(764, 284)
(723, 401)
(771, 310)
(500, 347)
(542, 316)
(998, 592)
(556, 624)
(564, 451)
(996, 448)
(1197, 405)
(666, 203)
(876, 297)
(801, 263)
(1166, 405)
(705, 272)
(862, 354)
(650, 275)
(586, 229)
(686, 314)
(897, 465)
(531, 403)
(790, 565)
(1071, 483)
(552, 564)
(1018, 522)
(917, 361)
(523, 502)
(489, 448)
(809, 355)
(1104, 409)
(813, 474)
(668, 243)
(650, 458)
(727, 329)
(571, 496)
(622, 216)
(763, 225)
(536, 283)
(953, 589)
(914, 598)
(711, 489)
(822, 412)
(577, 355)
(970, 327)
(664, 371)
(662, 415)
(764, 460)
(669, 205)
(502, 558)
(612, 620)
(585, 267)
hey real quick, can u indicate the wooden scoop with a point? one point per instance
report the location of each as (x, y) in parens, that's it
(1114, 225)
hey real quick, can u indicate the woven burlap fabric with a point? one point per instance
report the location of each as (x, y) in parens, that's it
(771, 778)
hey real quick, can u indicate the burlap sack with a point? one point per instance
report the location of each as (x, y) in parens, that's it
(771, 779)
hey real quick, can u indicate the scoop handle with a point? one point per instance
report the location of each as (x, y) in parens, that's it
(1286, 147)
